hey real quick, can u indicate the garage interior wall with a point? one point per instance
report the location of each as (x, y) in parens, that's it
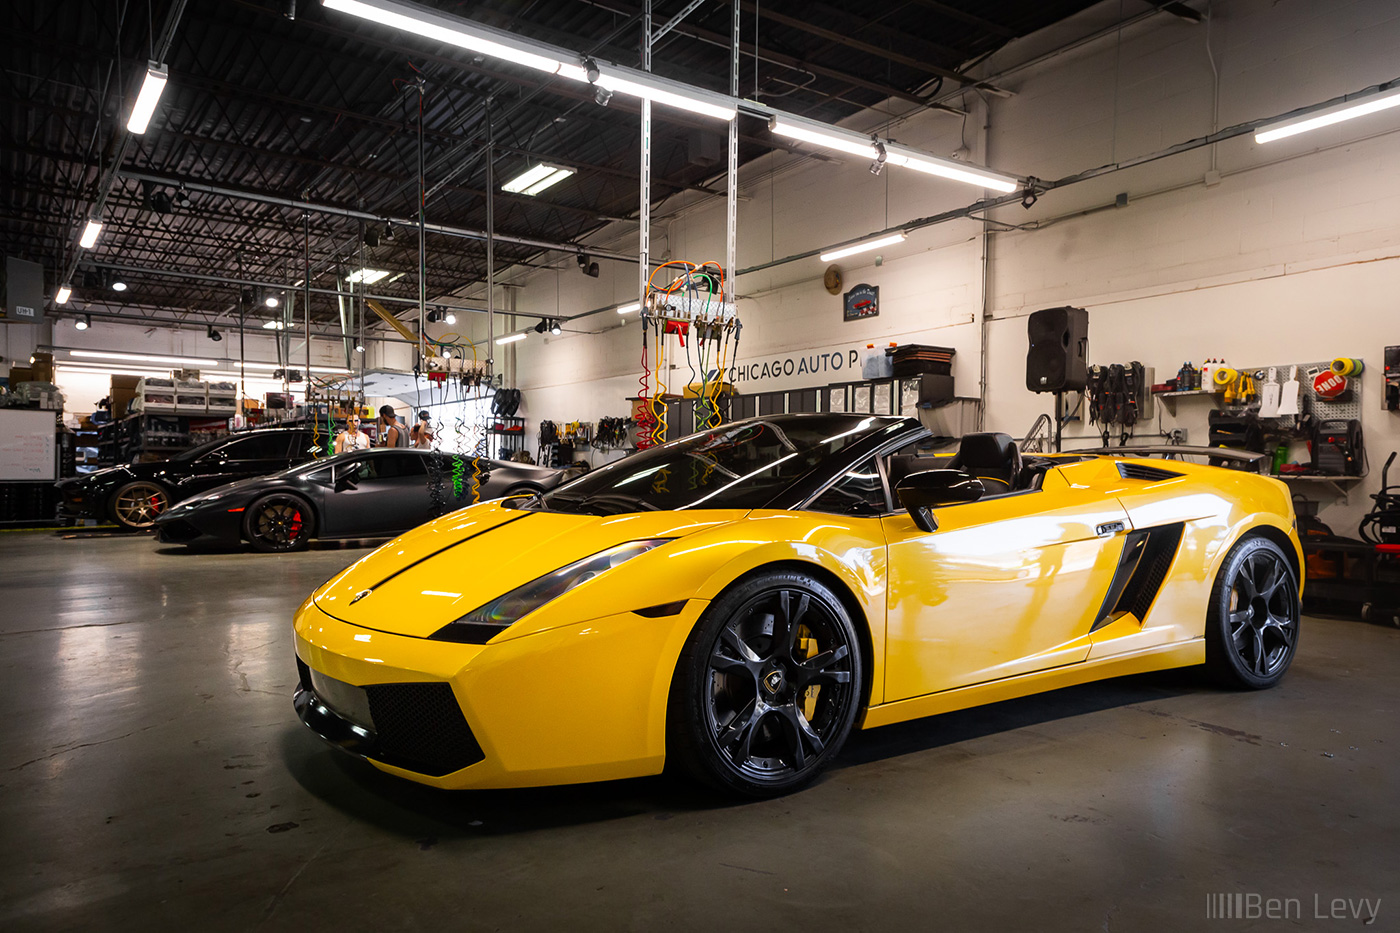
(1291, 254)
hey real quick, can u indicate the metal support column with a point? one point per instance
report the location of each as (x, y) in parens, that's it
(644, 210)
(421, 362)
(306, 297)
(731, 217)
(490, 244)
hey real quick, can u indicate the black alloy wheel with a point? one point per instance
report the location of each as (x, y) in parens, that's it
(1252, 628)
(278, 523)
(135, 506)
(768, 686)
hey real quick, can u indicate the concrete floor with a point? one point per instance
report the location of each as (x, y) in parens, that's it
(153, 775)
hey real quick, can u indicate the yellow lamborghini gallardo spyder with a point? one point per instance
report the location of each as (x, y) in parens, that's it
(733, 603)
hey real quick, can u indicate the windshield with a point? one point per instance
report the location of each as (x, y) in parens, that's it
(196, 452)
(737, 466)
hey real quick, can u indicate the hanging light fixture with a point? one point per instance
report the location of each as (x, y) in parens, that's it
(534, 180)
(64, 293)
(83, 323)
(842, 251)
(628, 309)
(151, 88)
(1359, 105)
(89, 238)
(117, 284)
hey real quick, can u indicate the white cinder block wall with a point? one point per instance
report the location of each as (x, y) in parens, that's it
(1293, 255)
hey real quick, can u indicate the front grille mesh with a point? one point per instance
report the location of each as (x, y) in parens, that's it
(178, 532)
(420, 727)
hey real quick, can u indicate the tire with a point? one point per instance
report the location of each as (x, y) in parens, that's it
(1253, 620)
(135, 506)
(755, 713)
(279, 523)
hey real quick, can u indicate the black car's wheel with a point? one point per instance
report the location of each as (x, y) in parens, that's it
(278, 522)
(767, 687)
(136, 505)
(1252, 625)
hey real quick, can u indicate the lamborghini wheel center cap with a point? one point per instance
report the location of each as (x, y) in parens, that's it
(774, 681)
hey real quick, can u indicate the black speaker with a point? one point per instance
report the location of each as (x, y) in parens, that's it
(1059, 351)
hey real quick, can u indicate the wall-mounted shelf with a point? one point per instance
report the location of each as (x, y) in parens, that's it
(1170, 398)
(1340, 485)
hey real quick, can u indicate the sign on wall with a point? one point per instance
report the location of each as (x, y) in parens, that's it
(862, 301)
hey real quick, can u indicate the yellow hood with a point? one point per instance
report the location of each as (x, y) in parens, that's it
(435, 574)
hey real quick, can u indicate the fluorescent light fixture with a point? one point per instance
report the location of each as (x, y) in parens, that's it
(947, 168)
(143, 358)
(549, 181)
(1327, 116)
(853, 143)
(151, 88)
(819, 135)
(628, 309)
(868, 245)
(272, 325)
(528, 178)
(510, 338)
(89, 238)
(368, 276)
(464, 34)
(670, 93)
(510, 47)
(64, 293)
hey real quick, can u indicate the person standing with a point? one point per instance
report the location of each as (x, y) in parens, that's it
(422, 432)
(352, 438)
(390, 432)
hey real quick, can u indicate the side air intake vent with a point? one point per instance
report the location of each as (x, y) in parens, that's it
(1139, 471)
(1147, 556)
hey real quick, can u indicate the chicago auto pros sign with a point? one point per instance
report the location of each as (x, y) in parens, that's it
(797, 370)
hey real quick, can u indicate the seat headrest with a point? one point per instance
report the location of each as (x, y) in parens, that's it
(986, 450)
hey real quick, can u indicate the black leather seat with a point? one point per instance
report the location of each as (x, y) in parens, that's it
(991, 457)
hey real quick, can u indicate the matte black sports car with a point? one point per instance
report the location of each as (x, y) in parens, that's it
(357, 494)
(133, 495)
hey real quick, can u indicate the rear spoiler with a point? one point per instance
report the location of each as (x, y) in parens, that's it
(1174, 452)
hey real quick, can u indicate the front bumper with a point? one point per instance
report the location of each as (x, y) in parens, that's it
(200, 528)
(582, 702)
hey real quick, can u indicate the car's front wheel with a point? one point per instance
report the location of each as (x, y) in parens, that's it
(278, 522)
(767, 687)
(1252, 624)
(136, 505)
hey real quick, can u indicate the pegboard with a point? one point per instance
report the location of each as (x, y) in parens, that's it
(1308, 402)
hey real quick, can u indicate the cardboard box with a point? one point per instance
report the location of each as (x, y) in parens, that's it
(20, 374)
(42, 367)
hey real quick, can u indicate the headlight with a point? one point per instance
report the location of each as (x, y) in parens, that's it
(481, 624)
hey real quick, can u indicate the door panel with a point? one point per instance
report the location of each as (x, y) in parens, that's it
(1005, 586)
(391, 496)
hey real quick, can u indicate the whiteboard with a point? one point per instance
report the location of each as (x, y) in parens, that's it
(27, 445)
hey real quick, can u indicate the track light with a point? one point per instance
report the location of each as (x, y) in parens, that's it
(878, 165)
(83, 323)
(434, 316)
(587, 267)
(602, 96)
(64, 293)
(555, 328)
(89, 238)
(449, 318)
(542, 326)
(182, 198)
(151, 87)
(359, 348)
(213, 334)
(868, 245)
(1359, 105)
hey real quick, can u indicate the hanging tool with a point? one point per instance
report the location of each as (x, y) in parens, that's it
(1288, 395)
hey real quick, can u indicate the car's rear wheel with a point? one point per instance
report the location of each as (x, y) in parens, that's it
(1253, 620)
(767, 687)
(278, 522)
(135, 506)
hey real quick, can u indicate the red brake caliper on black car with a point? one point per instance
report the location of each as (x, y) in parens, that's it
(296, 525)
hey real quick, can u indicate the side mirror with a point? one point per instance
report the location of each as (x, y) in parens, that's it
(920, 493)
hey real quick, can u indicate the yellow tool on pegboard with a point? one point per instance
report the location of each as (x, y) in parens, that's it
(1347, 366)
